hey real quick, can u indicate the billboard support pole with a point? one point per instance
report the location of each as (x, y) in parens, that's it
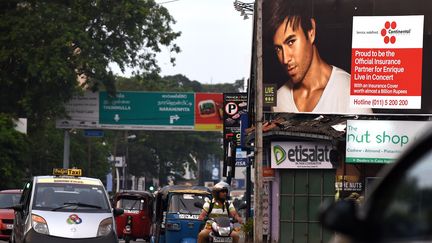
(258, 222)
(66, 149)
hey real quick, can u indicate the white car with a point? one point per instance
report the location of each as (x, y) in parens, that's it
(64, 208)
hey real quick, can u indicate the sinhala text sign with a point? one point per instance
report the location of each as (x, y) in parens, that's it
(144, 111)
(300, 155)
(151, 110)
(380, 141)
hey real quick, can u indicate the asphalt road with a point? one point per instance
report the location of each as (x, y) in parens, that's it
(122, 241)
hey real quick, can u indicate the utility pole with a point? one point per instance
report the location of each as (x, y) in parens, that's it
(66, 149)
(258, 222)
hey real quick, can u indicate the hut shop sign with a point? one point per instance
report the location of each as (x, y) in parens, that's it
(300, 155)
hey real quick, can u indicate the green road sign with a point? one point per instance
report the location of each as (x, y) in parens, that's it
(147, 110)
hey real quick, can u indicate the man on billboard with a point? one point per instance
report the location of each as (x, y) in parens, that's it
(310, 83)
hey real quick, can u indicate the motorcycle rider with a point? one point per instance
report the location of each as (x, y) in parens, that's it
(218, 206)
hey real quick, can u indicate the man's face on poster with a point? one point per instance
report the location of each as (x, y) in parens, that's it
(293, 49)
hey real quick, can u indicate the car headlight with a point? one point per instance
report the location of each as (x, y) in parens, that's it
(39, 224)
(105, 227)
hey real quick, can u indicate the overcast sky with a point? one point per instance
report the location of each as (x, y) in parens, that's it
(215, 41)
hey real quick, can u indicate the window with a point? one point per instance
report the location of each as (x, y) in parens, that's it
(70, 197)
(409, 210)
(184, 203)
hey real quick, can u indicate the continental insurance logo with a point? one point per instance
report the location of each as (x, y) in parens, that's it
(302, 154)
(389, 32)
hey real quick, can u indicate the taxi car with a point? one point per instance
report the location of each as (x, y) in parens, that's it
(8, 198)
(64, 207)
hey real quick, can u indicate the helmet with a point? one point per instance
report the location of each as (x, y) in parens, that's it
(220, 186)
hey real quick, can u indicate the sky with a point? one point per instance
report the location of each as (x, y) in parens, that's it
(215, 41)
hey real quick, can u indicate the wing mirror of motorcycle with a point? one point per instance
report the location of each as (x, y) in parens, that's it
(118, 211)
(199, 204)
(242, 206)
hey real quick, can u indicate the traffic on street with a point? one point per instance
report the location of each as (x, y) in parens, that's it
(180, 121)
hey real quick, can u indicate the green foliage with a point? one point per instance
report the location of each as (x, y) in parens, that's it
(45, 44)
(46, 152)
(13, 148)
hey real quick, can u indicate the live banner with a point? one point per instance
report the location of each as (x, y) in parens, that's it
(386, 63)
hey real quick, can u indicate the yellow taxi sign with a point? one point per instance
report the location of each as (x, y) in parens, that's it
(67, 172)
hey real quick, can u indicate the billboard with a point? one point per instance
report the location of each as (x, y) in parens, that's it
(353, 57)
(208, 111)
(301, 155)
(372, 141)
(234, 105)
(144, 111)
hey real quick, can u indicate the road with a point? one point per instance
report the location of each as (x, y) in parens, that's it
(122, 241)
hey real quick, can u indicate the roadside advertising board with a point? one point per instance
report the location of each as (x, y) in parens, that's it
(241, 158)
(300, 155)
(386, 62)
(208, 111)
(372, 141)
(144, 111)
(235, 104)
(375, 56)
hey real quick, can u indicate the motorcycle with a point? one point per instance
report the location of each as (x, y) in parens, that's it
(221, 227)
(221, 230)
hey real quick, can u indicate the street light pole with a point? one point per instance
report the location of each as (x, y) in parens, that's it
(258, 213)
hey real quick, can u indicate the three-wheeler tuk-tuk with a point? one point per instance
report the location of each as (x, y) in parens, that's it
(135, 223)
(176, 217)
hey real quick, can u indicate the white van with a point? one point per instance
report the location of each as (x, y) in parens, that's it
(64, 208)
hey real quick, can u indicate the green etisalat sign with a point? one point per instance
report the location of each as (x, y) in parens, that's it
(144, 109)
(300, 155)
(279, 154)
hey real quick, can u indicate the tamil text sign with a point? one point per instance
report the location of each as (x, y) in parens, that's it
(144, 111)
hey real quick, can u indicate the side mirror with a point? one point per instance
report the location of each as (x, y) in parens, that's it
(118, 211)
(18, 207)
(198, 204)
(242, 206)
(341, 217)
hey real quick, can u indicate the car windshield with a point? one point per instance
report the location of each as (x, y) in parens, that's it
(70, 197)
(9, 199)
(184, 203)
(131, 203)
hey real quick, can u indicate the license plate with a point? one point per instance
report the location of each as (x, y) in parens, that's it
(222, 239)
(9, 226)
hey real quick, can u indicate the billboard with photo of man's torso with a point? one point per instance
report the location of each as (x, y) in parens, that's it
(348, 57)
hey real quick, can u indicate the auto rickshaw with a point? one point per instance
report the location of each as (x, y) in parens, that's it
(176, 217)
(135, 223)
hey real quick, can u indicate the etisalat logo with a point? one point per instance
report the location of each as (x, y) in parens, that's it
(301, 154)
(389, 32)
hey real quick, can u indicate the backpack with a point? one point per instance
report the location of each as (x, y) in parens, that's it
(226, 205)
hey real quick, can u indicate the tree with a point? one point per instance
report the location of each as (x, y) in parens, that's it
(46, 44)
(13, 150)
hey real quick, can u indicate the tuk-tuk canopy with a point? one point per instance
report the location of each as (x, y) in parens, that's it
(163, 192)
(137, 194)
